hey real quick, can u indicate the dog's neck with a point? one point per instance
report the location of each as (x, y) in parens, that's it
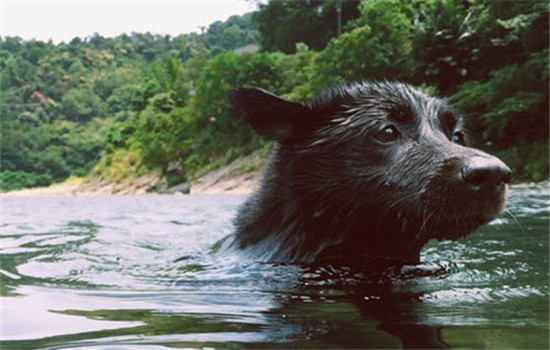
(283, 226)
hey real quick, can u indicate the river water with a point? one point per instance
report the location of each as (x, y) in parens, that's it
(141, 272)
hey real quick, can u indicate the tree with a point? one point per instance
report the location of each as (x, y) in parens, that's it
(448, 42)
(377, 48)
(236, 32)
(283, 24)
(218, 132)
(509, 106)
(81, 104)
(158, 147)
(17, 72)
(170, 78)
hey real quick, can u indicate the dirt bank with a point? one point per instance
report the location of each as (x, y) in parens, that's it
(91, 187)
(239, 177)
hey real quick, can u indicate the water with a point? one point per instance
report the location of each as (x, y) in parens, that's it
(101, 273)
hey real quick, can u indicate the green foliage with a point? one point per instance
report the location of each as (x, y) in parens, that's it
(159, 147)
(65, 105)
(511, 107)
(119, 166)
(237, 31)
(106, 84)
(448, 42)
(377, 48)
(17, 72)
(82, 145)
(283, 24)
(81, 105)
(529, 161)
(220, 135)
(520, 28)
(170, 78)
(15, 180)
(55, 150)
(138, 103)
(296, 71)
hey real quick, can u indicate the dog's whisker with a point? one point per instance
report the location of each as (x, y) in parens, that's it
(514, 218)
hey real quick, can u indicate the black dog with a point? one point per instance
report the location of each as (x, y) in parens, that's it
(366, 172)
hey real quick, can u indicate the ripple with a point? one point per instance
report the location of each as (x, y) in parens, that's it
(482, 295)
(115, 259)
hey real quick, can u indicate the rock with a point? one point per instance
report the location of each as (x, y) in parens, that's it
(182, 188)
(147, 182)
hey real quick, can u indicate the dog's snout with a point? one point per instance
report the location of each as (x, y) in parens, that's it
(485, 173)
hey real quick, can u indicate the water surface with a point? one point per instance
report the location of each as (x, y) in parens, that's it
(106, 273)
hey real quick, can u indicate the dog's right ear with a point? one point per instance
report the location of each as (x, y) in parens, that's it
(271, 116)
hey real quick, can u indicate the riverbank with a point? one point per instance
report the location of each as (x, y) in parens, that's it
(241, 176)
(238, 177)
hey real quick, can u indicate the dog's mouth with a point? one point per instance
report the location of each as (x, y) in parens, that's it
(453, 219)
(453, 225)
(457, 227)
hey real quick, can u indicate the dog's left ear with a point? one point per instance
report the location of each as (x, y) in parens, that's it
(271, 116)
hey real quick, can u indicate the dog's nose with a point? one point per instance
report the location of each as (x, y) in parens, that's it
(485, 173)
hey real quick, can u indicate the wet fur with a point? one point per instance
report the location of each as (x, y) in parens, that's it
(332, 192)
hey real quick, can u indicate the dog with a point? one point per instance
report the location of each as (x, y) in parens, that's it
(366, 172)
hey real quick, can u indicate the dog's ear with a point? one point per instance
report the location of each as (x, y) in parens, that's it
(271, 116)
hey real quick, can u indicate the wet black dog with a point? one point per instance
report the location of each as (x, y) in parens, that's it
(366, 172)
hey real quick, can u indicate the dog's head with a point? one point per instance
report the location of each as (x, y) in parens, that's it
(386, 149)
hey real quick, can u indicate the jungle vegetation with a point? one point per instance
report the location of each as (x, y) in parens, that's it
(140, 102)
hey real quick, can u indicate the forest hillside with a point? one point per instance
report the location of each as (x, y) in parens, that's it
(138, 104)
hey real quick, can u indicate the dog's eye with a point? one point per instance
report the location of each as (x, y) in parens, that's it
(458, 138)
(388, 134)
